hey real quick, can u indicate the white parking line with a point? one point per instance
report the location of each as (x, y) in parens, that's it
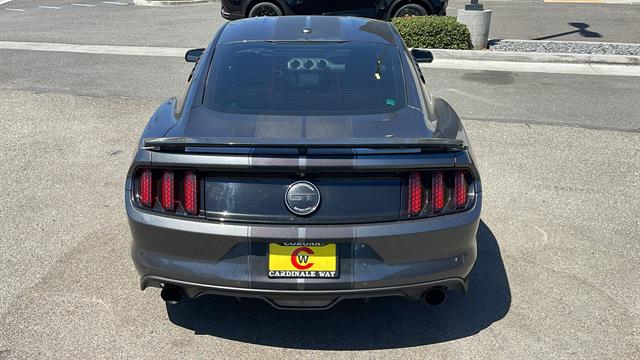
(13, 9)
(114, 3)
(553, 68)
(50, 7)
(95, 49)
(87, 5)
(2, 2)
(549, 68)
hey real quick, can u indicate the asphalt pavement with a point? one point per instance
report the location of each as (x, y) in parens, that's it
(558, 244)
(65, 21)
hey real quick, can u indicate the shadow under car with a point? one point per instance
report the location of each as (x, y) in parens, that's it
(382, 323)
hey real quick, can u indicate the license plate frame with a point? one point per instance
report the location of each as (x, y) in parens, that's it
(303, 260)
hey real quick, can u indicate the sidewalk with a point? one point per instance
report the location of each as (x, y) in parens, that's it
(555, 21)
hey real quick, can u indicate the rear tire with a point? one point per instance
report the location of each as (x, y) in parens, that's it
(265, 9)
(410, 10)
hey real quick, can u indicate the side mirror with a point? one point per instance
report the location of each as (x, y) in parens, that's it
(422, 56)
(193, 55)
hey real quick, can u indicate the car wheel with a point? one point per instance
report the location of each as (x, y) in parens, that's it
(265, 9)
(410, 10)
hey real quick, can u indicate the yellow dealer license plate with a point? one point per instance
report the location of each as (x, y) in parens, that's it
(303, 260)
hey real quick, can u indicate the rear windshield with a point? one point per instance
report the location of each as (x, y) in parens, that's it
(305, 79)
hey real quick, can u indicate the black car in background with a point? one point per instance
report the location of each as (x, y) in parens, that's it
(376, 9)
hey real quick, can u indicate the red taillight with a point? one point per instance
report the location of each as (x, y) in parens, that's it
(174, 187)
(145, 188)
(415, 193)
(460, 190)
(167, 196)
(190, 190)
(437, 190)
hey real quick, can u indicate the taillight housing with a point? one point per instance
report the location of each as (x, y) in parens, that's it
(439, 192)
(416, 194)
(172, 191)
(144, 188)
(167, 191)
(190, 193)
(460, 190)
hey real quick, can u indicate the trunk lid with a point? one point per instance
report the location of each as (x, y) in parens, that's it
(407, 123)
(260, 198)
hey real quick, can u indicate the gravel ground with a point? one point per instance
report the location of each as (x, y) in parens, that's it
(574, 47)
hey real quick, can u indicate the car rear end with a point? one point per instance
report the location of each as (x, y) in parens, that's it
(308, 172)
(398, 224)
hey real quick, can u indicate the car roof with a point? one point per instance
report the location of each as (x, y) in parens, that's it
(307, 28)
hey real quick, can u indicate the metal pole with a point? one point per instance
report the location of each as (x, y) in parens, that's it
(474, 5)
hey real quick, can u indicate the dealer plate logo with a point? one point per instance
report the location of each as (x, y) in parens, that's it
(302, 198)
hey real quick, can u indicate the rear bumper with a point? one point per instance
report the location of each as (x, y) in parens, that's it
(304, 299)
(382, 259)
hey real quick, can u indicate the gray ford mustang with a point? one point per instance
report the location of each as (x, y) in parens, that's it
(307, 163)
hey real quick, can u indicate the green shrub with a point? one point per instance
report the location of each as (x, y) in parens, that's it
(433, 32)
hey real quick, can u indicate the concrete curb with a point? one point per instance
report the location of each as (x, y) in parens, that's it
(169, 2)
(497, 41)
(533, 57)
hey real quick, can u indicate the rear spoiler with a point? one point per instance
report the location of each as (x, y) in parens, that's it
(181, 143)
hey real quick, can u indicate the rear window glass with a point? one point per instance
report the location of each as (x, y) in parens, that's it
(305, 79)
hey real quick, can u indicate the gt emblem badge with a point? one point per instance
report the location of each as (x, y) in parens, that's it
(302, 198)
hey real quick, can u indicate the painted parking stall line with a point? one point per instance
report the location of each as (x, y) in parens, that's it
(114, 3)
(14, 9)
(95, 49)
(85, 5)
(530, 67)
(50, 7)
